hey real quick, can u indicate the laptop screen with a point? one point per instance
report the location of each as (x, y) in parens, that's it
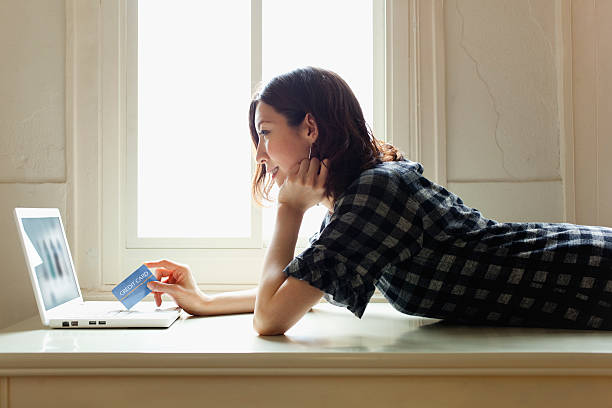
(48, 254)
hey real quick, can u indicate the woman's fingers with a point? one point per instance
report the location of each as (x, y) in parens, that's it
(308, 170)
(313, 171)
(303, 170)
(305, 184)
(162, 272)
(164, 263)
(162, 287)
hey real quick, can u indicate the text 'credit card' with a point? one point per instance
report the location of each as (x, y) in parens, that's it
(134, 288)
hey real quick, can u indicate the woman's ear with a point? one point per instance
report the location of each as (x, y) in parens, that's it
(310, 127)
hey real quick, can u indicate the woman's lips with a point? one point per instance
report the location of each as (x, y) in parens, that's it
(274, 172)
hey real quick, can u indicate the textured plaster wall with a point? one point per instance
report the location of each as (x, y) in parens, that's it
(32, 48)
(32, 133)
(503, 119)
(502, 114)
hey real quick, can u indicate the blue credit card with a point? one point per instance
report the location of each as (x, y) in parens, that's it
(134, 288)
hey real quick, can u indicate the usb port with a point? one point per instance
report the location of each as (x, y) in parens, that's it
(92, 322)
(65, 324)
(102, 322)
(74, 323)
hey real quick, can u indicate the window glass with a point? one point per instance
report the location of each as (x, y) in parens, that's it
(194, 87)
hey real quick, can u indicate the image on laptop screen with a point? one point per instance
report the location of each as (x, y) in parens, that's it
(49, 256)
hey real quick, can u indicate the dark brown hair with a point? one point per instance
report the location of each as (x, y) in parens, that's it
(344, 137)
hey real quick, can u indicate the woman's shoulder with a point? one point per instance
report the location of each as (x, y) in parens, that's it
(382, 182)
(390, 174)
(401, 168)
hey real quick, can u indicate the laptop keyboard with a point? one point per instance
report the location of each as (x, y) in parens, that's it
(124, 314)
(107, 311)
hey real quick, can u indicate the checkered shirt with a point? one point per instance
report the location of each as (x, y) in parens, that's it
(430, 255)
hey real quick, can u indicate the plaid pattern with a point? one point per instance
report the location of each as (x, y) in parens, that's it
(430, 255)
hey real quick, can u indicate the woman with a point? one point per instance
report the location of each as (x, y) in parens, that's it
(391, 228)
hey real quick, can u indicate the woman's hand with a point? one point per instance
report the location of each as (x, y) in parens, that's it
(305, 187)
(177, 281)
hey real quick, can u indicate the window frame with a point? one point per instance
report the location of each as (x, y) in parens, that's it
(408, 48)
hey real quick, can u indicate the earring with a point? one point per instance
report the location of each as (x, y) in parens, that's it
(310, 152)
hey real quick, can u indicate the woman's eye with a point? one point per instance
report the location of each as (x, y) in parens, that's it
(263, 133)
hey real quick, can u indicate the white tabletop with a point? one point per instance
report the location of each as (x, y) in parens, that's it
(327, 338)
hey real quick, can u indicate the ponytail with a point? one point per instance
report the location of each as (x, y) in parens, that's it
(388, 152)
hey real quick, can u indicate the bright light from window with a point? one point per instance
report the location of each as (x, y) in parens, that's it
(194, 87)
(335, 35)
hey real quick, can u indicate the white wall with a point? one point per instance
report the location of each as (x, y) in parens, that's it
(503, 119)
(32, 133)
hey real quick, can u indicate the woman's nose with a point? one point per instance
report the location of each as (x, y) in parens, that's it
(261, 156)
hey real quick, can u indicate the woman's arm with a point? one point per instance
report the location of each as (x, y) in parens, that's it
(280, 252)
(178, 282)
(279, 302)
(282, 301)
(242, 301)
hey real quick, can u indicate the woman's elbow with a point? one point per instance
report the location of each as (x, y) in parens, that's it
(267, 328)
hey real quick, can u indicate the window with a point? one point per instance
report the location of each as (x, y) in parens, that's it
(189, 160)
(222, 258)
(193, 88)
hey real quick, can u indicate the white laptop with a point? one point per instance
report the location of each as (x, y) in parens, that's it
(56, 287)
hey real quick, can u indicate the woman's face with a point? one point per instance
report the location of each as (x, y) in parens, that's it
(281, 147)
